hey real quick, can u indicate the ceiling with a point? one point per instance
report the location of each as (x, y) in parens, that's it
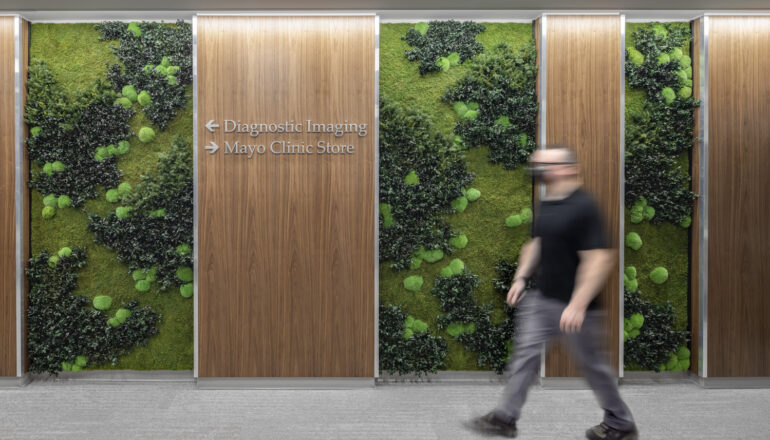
(377, 5)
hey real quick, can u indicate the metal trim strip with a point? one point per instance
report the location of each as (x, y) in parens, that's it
(195, 195)
(703, 203)
(376, 196)
(19, 188)
(622, 183)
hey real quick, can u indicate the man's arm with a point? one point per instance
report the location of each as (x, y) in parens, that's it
(592, 272)
(530, 256)
(528, 260)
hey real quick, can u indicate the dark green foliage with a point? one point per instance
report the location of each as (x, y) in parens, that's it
(658, 337)
(408, 142)
(63, 326)
(157, 40)
(651, 76)
(442, 39)
(144, 240)
(655, 176)
(502, 82)
(506, 270)
(71, 132)
(421, 353)
(490, 341)
(663, 129)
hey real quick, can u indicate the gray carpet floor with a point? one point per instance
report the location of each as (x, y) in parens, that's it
(69, 410)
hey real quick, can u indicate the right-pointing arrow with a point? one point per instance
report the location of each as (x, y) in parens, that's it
(212, 148)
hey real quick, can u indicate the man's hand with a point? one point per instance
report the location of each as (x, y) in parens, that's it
(516, 292)
(572, 318)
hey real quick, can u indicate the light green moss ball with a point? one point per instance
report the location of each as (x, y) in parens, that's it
(122, 314)
(413, 283)
(459, 241)
(634, 241)
(659, 275)
(412, 178)
(513, 221)
(63, 201)
(459, 204)
(102, 302)
(112, 195)
(186, 290)
(185, 274)
(144, 98)
(48, 212)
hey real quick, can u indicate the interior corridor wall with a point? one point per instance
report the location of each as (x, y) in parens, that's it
(738, 202)
(13, 166)
(582, 90)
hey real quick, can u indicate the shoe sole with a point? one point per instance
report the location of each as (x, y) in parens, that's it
(468, 424)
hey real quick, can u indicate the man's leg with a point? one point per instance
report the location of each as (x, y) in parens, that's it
(586, 345)
(536, 324)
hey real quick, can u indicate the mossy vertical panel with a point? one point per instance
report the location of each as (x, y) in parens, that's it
(78, 58)
(503, 191)
(696, 27)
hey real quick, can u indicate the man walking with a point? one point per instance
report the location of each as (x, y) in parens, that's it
(569, 251)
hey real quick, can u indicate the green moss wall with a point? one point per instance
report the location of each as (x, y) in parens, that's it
(77, 58)
(665, 244)
(503, 192)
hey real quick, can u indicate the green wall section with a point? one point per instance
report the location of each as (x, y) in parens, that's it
(77, 59)
(665, 244)
(503, 192)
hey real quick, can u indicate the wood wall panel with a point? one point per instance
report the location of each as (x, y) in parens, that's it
(738, 197)
(286, 243)
(695, 186)
(25, 27)
(7, 200)
(583, 111)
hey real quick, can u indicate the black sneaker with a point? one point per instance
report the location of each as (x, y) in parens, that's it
(604, 432)
(491, 424)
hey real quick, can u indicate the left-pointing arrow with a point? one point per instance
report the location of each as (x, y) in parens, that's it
(211, 125)
(212, 148)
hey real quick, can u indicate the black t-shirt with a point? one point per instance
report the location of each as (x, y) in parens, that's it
(565, 227)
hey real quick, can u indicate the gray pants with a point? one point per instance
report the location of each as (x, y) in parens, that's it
(537, 320)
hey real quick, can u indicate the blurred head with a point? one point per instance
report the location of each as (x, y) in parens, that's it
(554, 164)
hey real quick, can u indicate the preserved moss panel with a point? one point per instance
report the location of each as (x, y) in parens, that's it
(77, 58)
(503, 192)
(665, 244)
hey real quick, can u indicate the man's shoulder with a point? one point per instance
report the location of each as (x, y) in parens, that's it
(583, 197)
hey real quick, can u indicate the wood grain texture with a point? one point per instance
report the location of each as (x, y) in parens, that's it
(7, 200)
(583, 111)
(286, 243)
(695, 187)
(738, 197)
(25, 27)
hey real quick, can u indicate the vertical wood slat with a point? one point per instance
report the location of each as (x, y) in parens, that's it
(738, 197)
(7, 201)
(583, 111)
(695, 186)
(286, 243)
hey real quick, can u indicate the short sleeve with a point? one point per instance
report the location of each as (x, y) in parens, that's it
(591, 232)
